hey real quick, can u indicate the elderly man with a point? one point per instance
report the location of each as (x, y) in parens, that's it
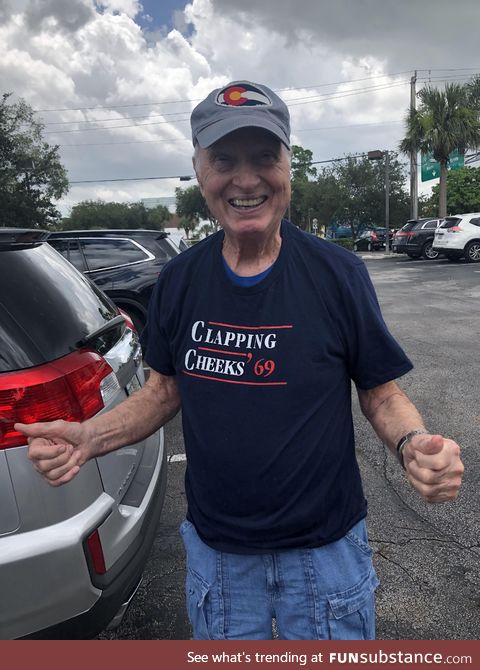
(257, 332)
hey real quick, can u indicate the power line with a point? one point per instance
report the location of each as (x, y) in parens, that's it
(290, 103)
(186, 139)
(102, 181)
(173, 102)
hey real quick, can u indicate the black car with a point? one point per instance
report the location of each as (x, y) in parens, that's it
(372, 240)
(416, 238)
(71, 557)
(125, 264)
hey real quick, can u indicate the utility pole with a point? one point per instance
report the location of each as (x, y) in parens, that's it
(413, 157)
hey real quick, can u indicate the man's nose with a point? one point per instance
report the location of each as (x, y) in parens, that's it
(246, 175)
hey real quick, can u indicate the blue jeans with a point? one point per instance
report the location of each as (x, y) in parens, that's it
(326, 593)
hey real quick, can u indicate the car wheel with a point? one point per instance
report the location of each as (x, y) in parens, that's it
(472, 252)
(428, 252)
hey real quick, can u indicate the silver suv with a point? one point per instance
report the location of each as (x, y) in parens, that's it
(71, 558)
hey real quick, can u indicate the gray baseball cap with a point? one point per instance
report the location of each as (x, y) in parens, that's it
(240, 104)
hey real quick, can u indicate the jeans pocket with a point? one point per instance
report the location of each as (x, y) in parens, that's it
(359, 538)
(352, 612)
(198, 605)
(204, 602)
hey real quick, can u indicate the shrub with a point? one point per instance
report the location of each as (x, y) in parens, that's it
(345, 242)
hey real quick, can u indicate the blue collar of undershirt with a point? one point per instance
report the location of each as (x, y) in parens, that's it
(244, 281)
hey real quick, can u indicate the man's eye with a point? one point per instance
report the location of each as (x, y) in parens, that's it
(222, 162)
(268, 157)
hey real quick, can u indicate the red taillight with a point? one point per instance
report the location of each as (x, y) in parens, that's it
(454, 229)
(128, 320)
(68, 388)
(94, 546)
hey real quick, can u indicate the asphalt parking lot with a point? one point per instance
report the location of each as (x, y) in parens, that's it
(427, 556)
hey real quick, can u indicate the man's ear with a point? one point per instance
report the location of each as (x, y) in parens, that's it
(197, 176)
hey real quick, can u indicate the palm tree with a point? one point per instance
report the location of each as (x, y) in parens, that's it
(444, 121)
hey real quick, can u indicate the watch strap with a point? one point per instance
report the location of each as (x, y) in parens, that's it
(402, 443)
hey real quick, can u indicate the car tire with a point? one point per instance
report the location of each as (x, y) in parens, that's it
(472, 252)
(428, 252)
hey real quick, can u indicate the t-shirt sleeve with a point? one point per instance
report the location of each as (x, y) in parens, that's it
(154, 339)
(374, 356)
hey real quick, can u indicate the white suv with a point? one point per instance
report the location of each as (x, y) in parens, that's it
(458, 236)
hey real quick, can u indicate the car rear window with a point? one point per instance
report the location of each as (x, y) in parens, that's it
(46, 307)
(106, 253)
(450, 221)
(408, 226)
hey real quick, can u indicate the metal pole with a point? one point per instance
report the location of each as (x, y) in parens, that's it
(413, 157)
(387, 202)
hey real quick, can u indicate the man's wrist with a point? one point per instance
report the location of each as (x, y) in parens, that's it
(404, 440)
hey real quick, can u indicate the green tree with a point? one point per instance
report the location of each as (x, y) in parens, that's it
(444, 121)
(301, 164)
(304, 194)
(99, 214)
(473, 91)
(463, 191)
(188, 226)
(31, 174)
(157, 217)
(360, 193)
(190, 204)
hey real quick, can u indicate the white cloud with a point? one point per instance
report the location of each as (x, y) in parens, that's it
(129, 7)
(335, 59)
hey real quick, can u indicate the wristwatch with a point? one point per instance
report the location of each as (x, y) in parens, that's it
(402, 443)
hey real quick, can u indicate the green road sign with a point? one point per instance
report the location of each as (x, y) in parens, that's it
(431, 167)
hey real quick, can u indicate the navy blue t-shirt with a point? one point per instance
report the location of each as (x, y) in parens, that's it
(264, 374)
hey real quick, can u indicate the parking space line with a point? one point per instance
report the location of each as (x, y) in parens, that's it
(177, 458)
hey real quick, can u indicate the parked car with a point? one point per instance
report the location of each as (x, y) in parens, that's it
(416, 239)
(372, 240)
(71, 557)
(125, 264)
(459, 236)
(369, 240)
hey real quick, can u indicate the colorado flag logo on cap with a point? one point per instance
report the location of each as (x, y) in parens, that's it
(242, 94)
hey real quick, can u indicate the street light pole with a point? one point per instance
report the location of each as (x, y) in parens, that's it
(387, 202)
(375, 156)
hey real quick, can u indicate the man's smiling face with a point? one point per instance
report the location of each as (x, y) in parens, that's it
(245, 179)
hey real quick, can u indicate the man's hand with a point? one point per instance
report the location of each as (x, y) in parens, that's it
(57, 449)
(434, 467)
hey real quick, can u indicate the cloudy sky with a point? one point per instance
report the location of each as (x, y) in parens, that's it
(114, 81)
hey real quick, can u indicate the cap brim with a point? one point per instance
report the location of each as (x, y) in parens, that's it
(218, 129)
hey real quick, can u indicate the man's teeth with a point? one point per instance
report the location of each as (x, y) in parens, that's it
(251, 202)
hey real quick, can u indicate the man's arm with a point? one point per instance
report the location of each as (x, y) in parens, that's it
(432, 462)
(58, 448)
